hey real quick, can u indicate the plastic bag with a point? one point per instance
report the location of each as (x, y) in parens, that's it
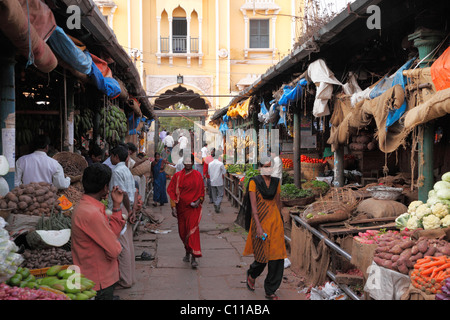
(440, 71)
(330, 291)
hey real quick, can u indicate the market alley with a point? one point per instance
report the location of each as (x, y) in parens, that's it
(221, 271)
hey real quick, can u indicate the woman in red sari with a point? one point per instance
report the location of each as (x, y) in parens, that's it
(186, 191)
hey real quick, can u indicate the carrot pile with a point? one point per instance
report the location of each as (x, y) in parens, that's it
(430, 273)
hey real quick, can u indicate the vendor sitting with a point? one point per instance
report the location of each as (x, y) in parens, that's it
(39, 167)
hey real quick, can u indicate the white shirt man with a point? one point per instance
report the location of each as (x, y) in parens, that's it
(39, 167)
(168, 141)
(183, 141)
(216, 170)
(204, 152)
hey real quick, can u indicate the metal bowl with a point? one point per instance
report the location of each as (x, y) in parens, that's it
(385, 193)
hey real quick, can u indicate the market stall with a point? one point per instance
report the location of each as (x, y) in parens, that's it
(404, 256)
(35, 238)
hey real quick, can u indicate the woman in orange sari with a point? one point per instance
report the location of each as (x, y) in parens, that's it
(186, 191)
(265, 239)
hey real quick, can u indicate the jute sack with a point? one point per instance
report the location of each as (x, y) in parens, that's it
(375, 208)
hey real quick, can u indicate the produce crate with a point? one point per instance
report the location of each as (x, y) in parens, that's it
(42, 273)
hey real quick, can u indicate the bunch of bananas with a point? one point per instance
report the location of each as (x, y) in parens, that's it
(29, 126)
(83, 122)
(113, 124)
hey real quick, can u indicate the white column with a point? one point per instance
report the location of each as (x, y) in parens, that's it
(200, 35)
(274, 38)
(246, 31)
(200, 41)
(188, 37)
(170, 35)
(158, 32)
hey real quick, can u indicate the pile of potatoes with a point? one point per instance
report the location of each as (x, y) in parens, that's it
(35, 199)
(400, 253)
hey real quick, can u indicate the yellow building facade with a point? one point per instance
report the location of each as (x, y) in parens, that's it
(215, 48)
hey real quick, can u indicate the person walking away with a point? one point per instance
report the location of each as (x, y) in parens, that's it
(39, 167)
(216, 171)
(204, 150)
(265, 239)
(162, 134)
(168, 141)
(95, 244)
(206, 176)
(122, 177)
(186, 191)
(183, 141)
(159, 181)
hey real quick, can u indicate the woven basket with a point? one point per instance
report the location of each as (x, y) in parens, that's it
(142, 169)
(299, 202)
(170, 170)
(72, 163)
(311, 171)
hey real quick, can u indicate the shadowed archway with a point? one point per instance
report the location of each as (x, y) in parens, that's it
(181, 95)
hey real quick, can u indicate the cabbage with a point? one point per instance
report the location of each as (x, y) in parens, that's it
(446, 177)
(402, 220)
(4, 166)
(432, 194)
(4, 187)
(443, 194)
(433, 200)
(440, 185)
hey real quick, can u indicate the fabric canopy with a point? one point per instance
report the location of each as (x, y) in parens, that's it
(66, 49)
(292, 94)
(108, 86)
(388, 82)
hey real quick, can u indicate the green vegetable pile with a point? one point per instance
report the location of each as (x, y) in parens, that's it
(238, 168)
(250, 173)
(291, 191)
(317, 187)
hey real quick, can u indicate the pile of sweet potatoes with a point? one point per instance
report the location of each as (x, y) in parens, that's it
(399, 253)
(35, 199)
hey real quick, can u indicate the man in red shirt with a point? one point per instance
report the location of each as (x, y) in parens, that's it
(95, 243)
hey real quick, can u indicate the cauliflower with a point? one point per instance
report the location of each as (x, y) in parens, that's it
(445, 222)
(402, 220)
(422, 211)
(440, 210)
(431, 222)
(413, 223)
(413, 206)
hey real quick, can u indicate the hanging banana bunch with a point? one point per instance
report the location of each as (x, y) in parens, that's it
(83, 122)
(113, 124)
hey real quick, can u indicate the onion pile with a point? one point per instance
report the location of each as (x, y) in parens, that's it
(17, 293)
